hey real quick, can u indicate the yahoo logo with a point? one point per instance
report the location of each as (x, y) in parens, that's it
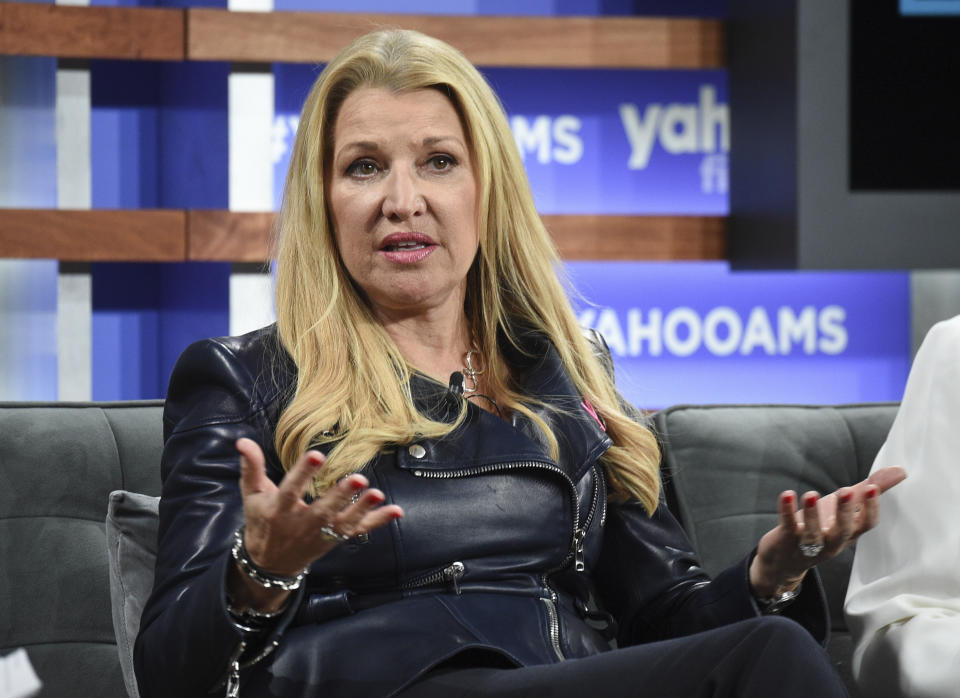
(722, 331)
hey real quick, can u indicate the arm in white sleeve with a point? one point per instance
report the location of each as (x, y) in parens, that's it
(903, 603)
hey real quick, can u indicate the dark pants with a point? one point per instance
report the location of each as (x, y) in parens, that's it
(760, 657)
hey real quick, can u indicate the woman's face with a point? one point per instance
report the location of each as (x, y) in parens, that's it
(403, 199)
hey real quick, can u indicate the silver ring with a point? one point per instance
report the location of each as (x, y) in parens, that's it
(327, 533)
(811, 549)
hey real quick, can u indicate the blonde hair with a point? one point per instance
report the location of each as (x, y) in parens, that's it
(352, 389)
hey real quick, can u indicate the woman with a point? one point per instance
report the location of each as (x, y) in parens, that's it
(425, 354)
(903, 602)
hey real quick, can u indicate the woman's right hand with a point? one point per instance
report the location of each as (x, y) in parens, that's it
(282, 533)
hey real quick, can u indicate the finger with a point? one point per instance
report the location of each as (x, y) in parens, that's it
(871, 509)
(377, 518)
(253, 472)
(812, 532)
(372, 519)
(297, 480)
(348, 521)
(885, 478)
(787, 506)
(339, 497)
(846, 521)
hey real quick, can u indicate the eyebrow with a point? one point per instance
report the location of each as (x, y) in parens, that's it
(372, 145)
(360, 145)
(433, 140)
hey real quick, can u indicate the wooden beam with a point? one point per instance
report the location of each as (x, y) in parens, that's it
(228, 236)
(581, 42)
(92, 32)
(638, 237)
(245, 237)
(215, 235)
(94, 236)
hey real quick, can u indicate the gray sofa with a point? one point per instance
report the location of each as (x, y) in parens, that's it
(58, 464)
(723, 468)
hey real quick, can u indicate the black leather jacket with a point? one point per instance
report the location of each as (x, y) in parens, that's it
(499, 549)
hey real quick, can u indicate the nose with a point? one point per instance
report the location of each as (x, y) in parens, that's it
(402, 196)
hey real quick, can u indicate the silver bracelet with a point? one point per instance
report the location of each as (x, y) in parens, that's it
(772, 605)
(252, 614)
(249, 621)
(260, 576)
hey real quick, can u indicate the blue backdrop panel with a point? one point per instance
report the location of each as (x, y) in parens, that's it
(705, 8)
(620, 141)
(158, 140)
(159, 134)
(930, 7)
(145, 315)
(695, 332)
(28, 330)
(600, 141)
(28, 178)
(161, 3)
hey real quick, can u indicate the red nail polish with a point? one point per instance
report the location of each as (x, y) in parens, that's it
(810, 500)
(315, 460)
(846, 497)
(872, 492)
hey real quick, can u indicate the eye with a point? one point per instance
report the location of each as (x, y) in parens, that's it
(362, 168)
(442, 162)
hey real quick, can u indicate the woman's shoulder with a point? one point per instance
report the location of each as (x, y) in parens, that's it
(228, 378)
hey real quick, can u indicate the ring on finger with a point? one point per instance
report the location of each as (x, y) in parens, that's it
(328, 533)
(811, 549)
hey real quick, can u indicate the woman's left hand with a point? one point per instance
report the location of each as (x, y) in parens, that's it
(817, 532)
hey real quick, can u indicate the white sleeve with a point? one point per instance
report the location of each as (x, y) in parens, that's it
(903, 604)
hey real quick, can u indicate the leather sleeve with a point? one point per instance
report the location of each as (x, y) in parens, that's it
(186, 638)
(650, 580)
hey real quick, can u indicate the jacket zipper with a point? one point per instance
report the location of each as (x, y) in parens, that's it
(553, 624)
(581, 532)
(450, 574)
(501, 467)
(233, 673)
(553, 620)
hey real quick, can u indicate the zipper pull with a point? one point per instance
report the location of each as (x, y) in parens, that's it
(453, 573)
(578, 536)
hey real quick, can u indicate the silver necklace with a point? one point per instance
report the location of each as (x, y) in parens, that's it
(471, 382)
(470, 373)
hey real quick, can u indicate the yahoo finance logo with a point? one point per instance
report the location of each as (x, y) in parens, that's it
(678, 128)
(721, 331)
(627, 146)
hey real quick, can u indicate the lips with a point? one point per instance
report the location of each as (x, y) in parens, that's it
(405, 241)
(407, 248)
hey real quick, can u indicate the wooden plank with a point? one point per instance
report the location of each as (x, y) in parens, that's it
(638, 237)
(582, 42)
(217, 235)
(94, 236)
(92, 32)
(245, 237)
(228, 236)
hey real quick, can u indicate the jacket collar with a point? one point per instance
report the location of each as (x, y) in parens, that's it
(484, 439)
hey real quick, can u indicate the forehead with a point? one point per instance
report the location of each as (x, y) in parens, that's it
(375, 113)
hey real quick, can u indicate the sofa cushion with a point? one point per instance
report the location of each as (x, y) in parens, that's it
(724, 467)
(58, 464)
(132, 521)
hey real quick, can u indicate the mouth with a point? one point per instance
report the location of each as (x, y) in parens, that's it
(406, 242)
(407, 248)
